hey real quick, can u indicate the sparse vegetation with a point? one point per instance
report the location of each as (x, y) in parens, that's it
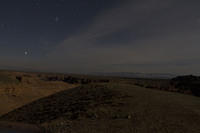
(20, 88)
(182, 84)
(19, 78)
(187, 83)
(100, 104)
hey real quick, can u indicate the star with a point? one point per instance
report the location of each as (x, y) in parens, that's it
(57, 19)
(26, 53)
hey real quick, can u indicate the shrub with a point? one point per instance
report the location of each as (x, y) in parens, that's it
(185, 83)
(19, 78)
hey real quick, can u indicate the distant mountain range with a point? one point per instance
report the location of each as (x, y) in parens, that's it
(137, 75)
(114, 74)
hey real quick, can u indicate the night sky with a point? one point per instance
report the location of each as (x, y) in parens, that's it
(83, 36)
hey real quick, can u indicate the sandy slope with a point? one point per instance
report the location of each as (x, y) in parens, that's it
(14, 94)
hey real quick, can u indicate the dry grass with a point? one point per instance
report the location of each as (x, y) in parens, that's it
(115, 107)
(112, 108)
(14, 94)
(142, 111)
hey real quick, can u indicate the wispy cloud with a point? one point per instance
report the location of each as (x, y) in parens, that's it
(149, 32)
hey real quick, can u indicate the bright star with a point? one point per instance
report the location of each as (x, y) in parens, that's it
(26, 53)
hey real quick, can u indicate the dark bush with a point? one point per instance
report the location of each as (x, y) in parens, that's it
(19, 78)
(187, 83)
(104, 81)
(149, 86)
(70, 80)
(53, 78)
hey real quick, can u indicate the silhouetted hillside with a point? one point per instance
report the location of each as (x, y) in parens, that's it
(187, 83)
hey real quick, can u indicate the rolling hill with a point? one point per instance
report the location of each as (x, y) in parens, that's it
(111, 108)
(20, 88)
